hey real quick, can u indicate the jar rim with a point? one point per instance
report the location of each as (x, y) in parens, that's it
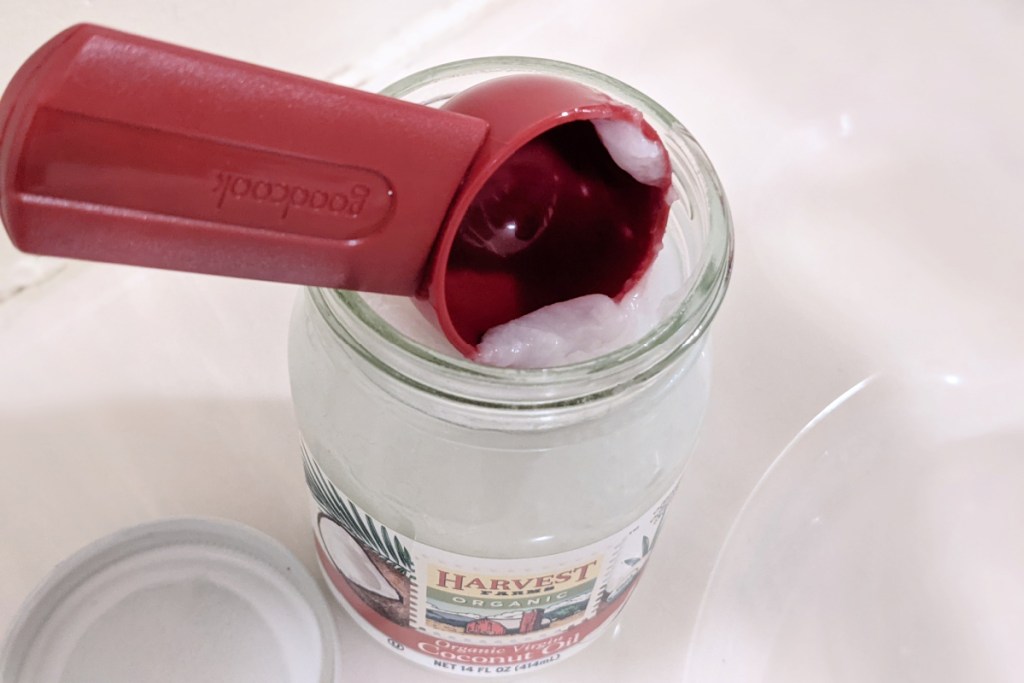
(673, 335)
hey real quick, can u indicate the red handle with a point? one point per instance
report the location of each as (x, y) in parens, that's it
(118, 148)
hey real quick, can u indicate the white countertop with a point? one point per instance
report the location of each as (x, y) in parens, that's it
(873, 156)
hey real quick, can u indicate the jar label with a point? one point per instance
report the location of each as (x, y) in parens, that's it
(473, 615)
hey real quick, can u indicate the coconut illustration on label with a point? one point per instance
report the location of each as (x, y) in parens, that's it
(378, 584)
(353, 561)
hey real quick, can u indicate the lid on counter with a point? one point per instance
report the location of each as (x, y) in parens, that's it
(175, 600)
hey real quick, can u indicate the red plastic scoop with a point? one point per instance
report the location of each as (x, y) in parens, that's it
(122, 149)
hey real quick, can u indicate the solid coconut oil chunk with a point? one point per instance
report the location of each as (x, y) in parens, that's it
(633, 152)
(563, 333)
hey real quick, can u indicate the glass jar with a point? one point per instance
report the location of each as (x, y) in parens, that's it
(487, 520)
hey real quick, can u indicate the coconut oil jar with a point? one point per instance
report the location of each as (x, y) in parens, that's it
(487, 520)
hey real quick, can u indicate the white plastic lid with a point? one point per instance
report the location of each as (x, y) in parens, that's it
(883, 545)
(176, 600)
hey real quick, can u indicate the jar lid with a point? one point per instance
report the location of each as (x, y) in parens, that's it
(174, 600)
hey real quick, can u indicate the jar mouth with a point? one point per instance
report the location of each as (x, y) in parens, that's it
(698, 199)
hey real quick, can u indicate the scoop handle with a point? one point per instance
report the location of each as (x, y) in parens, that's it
(118, 148)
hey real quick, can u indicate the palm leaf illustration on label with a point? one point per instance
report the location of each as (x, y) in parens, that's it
(373, 562)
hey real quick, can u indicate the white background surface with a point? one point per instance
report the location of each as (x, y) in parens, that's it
(873, 156)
